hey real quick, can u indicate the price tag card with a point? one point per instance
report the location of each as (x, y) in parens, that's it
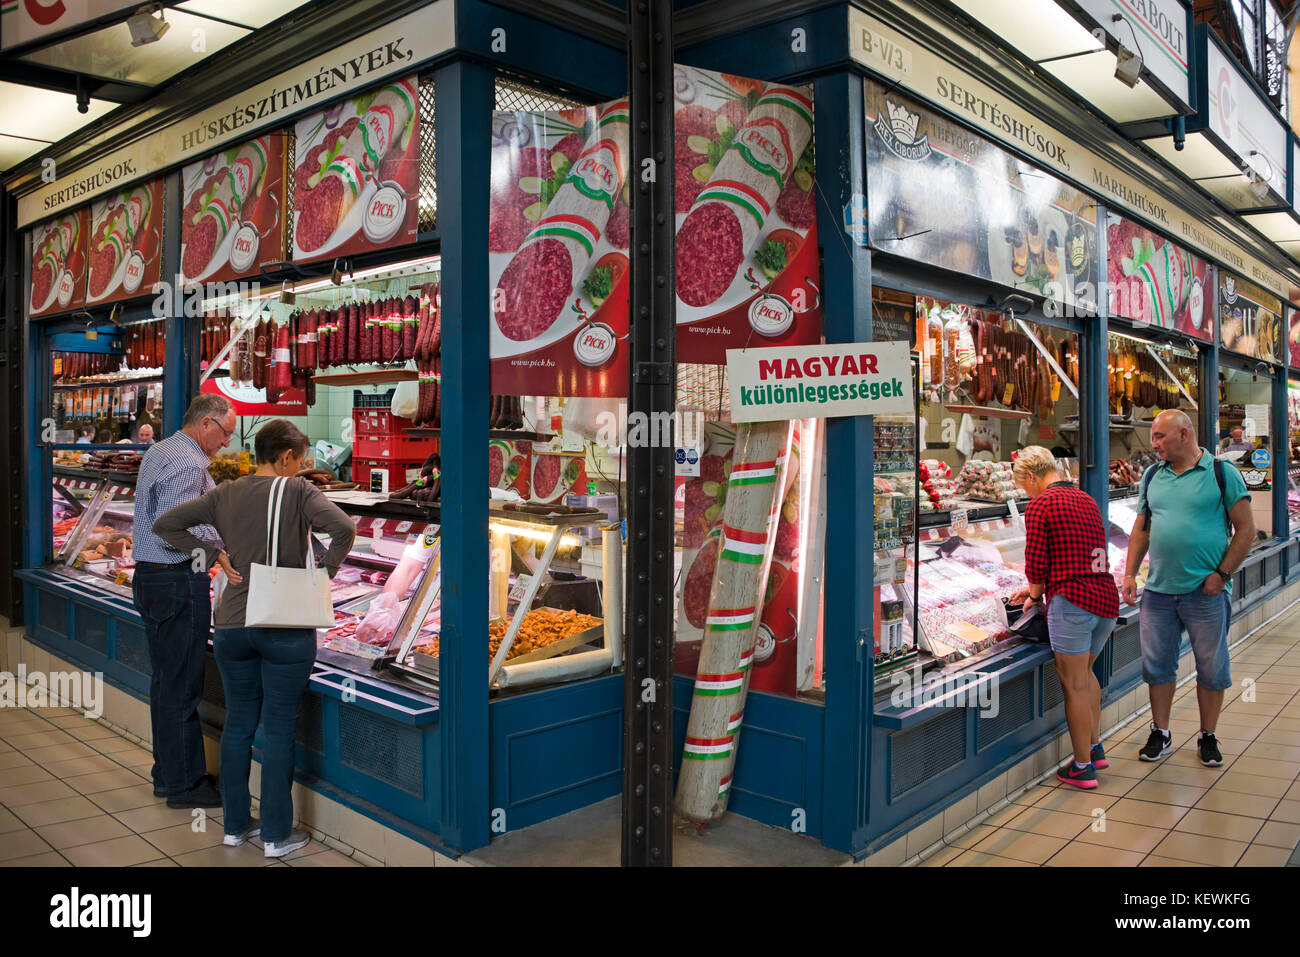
(1014, 509)
(403, 527)
(960, 520)
(519, 587)
(900, 570)
(120, 579)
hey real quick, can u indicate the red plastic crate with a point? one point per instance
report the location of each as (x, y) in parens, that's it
(378, 422)
(400, 471)
(396, 446)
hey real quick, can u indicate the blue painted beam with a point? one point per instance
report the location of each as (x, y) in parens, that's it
(181, 369)
(1093, 391)
(465, 96)
(775, 51)
(849, 644)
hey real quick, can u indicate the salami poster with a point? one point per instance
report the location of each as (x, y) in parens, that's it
(250, 401)
(125, 243)
(358, 173)
(557, 251)
(59, 264)
(1154, 281)
(1250, 319)
(942, 195)
(747, 267)
(232, 224)
(1293, 336)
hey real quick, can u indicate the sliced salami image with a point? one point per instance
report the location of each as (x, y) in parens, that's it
(699, 580)
(555, 476)
(357, 179)
(125, 242)
(59, 263)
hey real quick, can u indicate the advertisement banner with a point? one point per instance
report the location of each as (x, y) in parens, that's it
(865, 378)
(1250, 319)
(59, 264)
(1156, 282)
(943, 195)
(250, 401)
(233, 221)
(747, 266)
(125, 243)
(558, 251)
(358, 173)
(1293, 336)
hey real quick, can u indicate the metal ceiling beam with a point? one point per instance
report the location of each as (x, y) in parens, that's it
(63, 81)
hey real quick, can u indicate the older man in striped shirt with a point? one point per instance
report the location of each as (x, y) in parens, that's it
(170, 591)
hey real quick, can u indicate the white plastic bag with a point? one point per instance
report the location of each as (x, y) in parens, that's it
(406, 399)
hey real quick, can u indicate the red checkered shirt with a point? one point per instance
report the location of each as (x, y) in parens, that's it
(1065, 549)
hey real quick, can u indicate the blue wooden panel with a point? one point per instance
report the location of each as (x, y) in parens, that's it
(767, 51)
(52, 614)
(132, 650)
(90, 627)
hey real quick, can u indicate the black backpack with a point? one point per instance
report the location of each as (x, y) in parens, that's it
(1218, 477)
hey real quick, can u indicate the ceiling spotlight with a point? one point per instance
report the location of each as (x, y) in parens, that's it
(144, 28)
(1259, 183)
(287, 295)
(83, 95)
(1128, 63)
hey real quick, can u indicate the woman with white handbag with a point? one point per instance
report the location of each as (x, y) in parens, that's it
(264, 636)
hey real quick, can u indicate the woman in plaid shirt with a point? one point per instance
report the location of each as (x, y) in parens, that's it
(1066, 562)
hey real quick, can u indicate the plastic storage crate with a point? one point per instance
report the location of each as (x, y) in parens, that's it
(400, 471)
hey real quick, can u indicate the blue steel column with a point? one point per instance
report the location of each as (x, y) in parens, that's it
(1208, 426)
(1280, 442)
(464, 101)
(180, 370)
(849, 648)
(1094, 393)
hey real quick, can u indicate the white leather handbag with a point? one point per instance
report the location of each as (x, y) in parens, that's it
(281, 597)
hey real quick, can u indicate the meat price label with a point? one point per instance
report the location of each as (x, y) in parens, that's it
(865, 378)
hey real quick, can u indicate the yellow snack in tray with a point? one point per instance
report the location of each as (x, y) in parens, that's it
(540, 627)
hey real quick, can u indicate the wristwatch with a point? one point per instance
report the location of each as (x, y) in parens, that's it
(1224, 575)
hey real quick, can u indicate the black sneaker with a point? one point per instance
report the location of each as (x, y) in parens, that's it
(1159, 745)
(1085, 777)
(203, 794)
(1208, 746)
(1098, 757)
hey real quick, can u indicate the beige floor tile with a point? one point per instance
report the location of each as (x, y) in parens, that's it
(1288, 811)
(1268, 767)
(89, 830)
(979, 859)
(1146, 813)
(93, 732)
(60, 752)
(1151, 860)
(1076, 801)
(47, 859)
(1021, 845)
(1124, 836)
(1190, 758)
(1001, 817)
(77, 766)
(1253, 784)
(22, 843)
(113, 745)
(1126, 767)
(972, 837)
(1095, 855)
(1199, 776)
(38, 739)
(1032, 796)
(123, 799)
(1271, 751)
(1279, 834)
(65, 722)
(182, 838)
(938, 859)
(1262, 855)
(1184, 846)
(246, 855)
(1162, 793)
(1234, 802)
(13, 759)
(331, 858)
(156, 816)
(1232, 827)
(119, 852)
(30, 774)
(1292, 793)
(34, 793)
(1037, 820)
(57, 811)
(164, 862)
(140, 761)
(9, 821)
(105, 780)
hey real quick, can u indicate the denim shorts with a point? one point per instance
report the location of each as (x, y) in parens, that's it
(1075, 631)
(1205, 617)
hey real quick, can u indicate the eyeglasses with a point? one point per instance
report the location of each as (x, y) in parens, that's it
(228, 432)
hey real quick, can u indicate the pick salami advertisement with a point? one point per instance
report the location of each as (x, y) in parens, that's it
(1156, 282)
(557, 251)
(250, 401)
(357, 181)
(233, 221)
(747, 268)
(59, 263)
(125, 243)
(1293, 336)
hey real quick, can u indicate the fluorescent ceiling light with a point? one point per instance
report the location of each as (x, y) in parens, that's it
(1039, 29)
(1199, 158)
(1278, 227)
(37, 114)
(1092, 77)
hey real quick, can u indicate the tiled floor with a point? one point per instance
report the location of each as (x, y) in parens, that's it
(1174, 812)
(74, 792)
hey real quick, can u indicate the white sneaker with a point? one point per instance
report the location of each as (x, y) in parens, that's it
(295, 840)
(235, 840)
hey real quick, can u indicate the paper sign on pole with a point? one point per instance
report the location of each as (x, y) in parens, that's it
(793, 382)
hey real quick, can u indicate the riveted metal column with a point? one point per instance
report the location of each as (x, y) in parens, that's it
(647, 695)
(12, 357)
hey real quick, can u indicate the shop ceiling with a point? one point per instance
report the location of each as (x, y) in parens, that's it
(65, 67)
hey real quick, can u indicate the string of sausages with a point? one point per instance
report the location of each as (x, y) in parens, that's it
(145, 344)
(1009, 368)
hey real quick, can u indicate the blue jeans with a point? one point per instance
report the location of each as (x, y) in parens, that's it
(1074, 630)
(1205, 617)
(264, 671)
(176, 607)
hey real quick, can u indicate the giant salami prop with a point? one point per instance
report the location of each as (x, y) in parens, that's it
(741, 560)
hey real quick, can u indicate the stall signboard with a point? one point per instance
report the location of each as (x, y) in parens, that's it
(233, 223)
(250, 401)
(125, 243)
(1160, 28)
(864, 378)
(357, 178)
(1155, 282)
(59, 262)
(558, 241)
(942, 195)
(747, 266)
(1250, 319)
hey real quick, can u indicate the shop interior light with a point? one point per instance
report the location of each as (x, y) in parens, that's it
(538, 533)
(144, 28)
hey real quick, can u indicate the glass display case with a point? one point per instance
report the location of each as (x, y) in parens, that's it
(895, 490)
(97, 549)
(1123, 519)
